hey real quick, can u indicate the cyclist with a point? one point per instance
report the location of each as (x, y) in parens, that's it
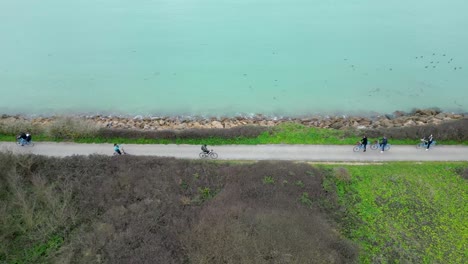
(205, 149)
(117, 149)
(383, 143)
(429, 141)
(28, 137)
(364, 142)
(22, 138)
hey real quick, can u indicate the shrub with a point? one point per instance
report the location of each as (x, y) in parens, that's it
(268, 180)
(72, 128)
(35, 212)
(99, 209)
(299, 183)
(342, 174)
(206, 193)
(15, 126)
(136, 134)
(454, 130)
(463, 173)
(225, 133)
(305, 200)
(249, 222)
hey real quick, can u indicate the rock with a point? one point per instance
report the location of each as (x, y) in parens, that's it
(421, 118)
(427, 112)
(386, 123)
(399, 114)
(337, 125)
(409, 123)
(196, 124)
(216, 124)
(180, 126)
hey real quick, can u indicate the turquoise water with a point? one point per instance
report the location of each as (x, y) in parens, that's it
(222, 57)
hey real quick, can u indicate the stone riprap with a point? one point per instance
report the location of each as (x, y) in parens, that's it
(397, 119)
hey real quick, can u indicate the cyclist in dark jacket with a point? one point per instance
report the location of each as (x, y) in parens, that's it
(364, 142)
(383, 143)
(205, 149)
(22, 138)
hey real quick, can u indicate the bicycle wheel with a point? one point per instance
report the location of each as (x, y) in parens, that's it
(374, 146)
(387, 147)
(213, 155)
(419, 145)
(202, 155)
(356, 149)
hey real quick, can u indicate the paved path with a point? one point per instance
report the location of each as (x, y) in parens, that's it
(248, 152)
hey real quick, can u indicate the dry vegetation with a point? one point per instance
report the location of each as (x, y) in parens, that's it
(158, 210)
(195, 133)
(68, 128)
(453, 130)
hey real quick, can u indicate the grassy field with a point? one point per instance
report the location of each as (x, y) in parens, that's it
(405, 212)
(135, 209)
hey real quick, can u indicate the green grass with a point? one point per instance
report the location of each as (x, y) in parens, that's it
(288, 133)
(405, 212)
(268, 180)
(38, 252)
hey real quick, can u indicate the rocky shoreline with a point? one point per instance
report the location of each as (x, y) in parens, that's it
(397, 119)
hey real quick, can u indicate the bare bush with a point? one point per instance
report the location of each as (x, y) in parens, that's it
(72, 128)
(253, 222)
(150, 210)
(342, 174)
(453, 130)
(235, 132)
(15, 126)
(33, 209)
(136, 134)
(463, 173)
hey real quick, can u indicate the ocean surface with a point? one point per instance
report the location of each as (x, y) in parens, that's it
(231, 57)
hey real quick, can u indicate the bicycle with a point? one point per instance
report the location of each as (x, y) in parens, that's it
(211, 154)
(377, 146)
(23, 142)
(358, 147)
(423, 144)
